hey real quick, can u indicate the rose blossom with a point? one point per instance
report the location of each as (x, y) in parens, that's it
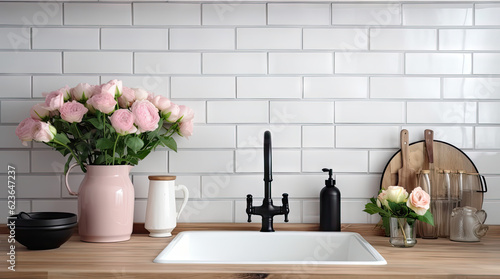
(160, 102)
(44, 132)
(82, 92)
(186, 113)
(419, 201)
(39, 111)
(382, 199)
(171, 114)
(25, 130)
(146, 116)
(123, 122)
(103, 102)
(127, 97)
(396, 194)
(55, 99)
(73, 111)
(186, 129)
(113, 87)
(141, 94)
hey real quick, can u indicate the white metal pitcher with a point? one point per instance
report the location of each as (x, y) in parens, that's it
(161, 215)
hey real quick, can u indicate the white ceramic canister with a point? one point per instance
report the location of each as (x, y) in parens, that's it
(161, 213)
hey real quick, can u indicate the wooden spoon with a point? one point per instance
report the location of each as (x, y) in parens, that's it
(406, 175)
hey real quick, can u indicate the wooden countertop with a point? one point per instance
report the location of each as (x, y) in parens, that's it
(134, 259)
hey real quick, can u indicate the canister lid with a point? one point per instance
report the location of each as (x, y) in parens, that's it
(426, 171)
(161, 177)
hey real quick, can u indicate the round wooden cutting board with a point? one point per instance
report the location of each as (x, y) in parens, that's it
(446, 157)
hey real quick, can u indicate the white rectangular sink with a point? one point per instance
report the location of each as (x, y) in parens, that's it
(284, 247)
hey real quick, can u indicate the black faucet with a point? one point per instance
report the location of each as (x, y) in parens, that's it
(267, 210)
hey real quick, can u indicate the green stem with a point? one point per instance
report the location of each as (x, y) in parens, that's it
(171, 129)
(114, 148)
(71, 151)
(401, 222)
(77, 130)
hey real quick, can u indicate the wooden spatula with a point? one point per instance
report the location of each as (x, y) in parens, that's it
(429, 147)
(406, 175)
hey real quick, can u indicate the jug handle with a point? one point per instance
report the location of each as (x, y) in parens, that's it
(483, 182)
(481, 216)
(67, 182)
(184, 201)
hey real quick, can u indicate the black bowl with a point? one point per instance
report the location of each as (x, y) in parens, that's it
(43, 230)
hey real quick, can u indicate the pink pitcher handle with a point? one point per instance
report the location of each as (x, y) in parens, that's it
(66, 180)
(184, 201)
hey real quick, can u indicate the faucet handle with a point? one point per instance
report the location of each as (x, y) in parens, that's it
(249, 207)
(285, 207)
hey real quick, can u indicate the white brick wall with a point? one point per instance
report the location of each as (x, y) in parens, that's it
(335, 82)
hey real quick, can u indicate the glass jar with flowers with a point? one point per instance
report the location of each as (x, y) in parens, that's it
(106, 129)
(403, 210)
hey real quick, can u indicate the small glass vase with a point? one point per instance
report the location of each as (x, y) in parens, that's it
(403, 234)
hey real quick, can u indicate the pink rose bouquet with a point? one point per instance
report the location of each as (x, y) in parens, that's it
(396, 202)
(105, 124)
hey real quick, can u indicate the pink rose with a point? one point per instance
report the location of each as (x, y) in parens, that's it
(419, 201)
(103, 102)
(127, 97)
(382, 199)
(73, 111)
(171, 114)
(160, 102)
(40, 112)
(146, 116)
(141, 94)
(186, 113)
(55, 99)
(44, 132)
(123, 122)
(113, 87)
(25, 130)
(186, 129)
(82, 92)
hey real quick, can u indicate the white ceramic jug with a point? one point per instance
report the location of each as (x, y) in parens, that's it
(161, 215)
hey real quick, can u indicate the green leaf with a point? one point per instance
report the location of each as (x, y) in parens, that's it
(96, 123)
(169, 142)
(134, 161)
(104, 144)
(371, 208)
(66, 166)
(143, 153)
(134, 143)
(61, 138)
(81, 146)
(99, 160)
(427, 218)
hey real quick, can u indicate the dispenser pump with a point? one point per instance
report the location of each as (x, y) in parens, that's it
(330, 182)
(329, 203)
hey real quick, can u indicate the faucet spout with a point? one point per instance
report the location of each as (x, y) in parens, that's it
(268, 158)
(267, 210)
(268, 167)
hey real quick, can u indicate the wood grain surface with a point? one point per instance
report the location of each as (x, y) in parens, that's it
(446, 157)
(440, 258)
(407, 176)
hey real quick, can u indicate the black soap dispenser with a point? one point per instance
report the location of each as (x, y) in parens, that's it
(329, 205)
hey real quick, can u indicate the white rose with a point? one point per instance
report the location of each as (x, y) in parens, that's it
(396, 194)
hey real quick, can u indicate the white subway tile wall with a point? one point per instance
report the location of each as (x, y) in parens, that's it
(334, 83)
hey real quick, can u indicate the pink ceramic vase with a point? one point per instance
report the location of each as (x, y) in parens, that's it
(105, 203)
